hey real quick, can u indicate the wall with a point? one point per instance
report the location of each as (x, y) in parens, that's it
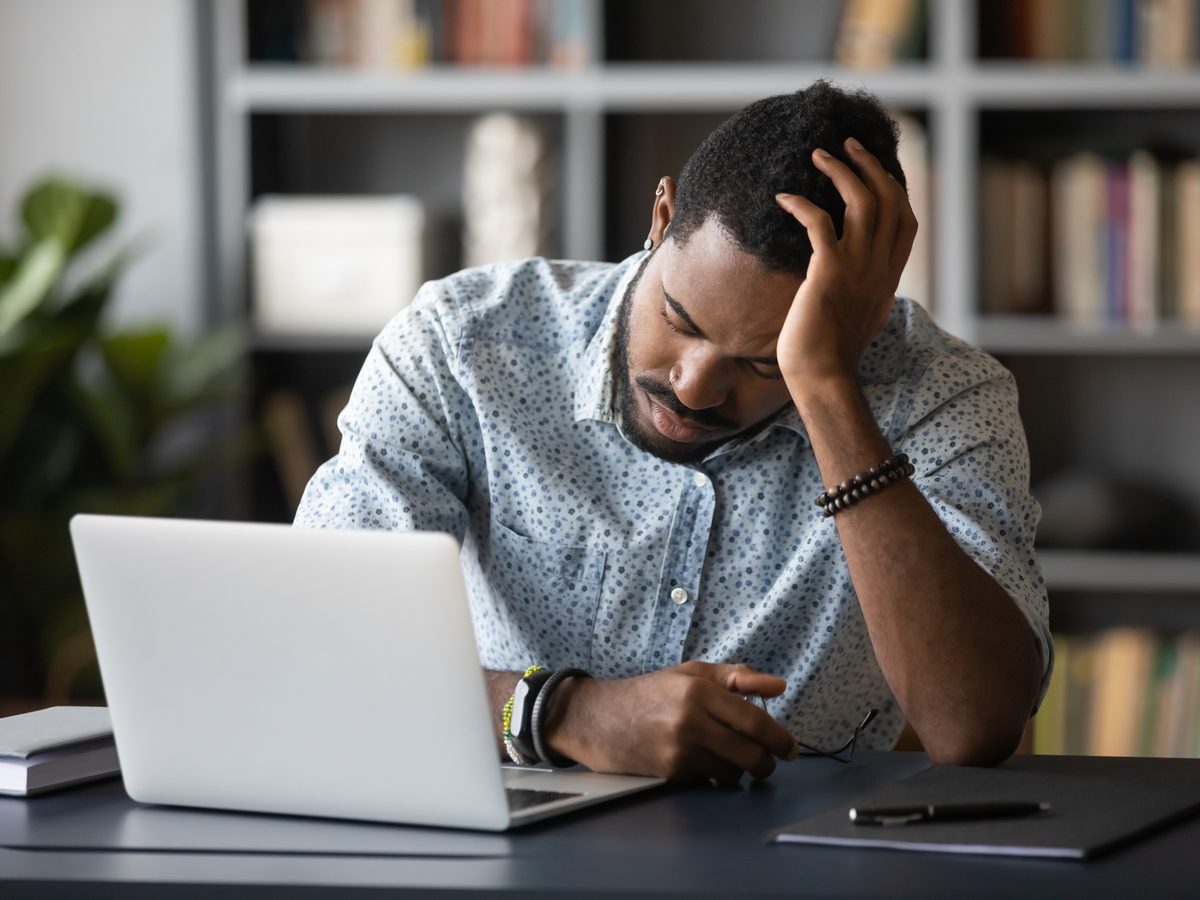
(107, 92)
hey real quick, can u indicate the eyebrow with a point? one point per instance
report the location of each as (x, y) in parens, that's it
(682, 313)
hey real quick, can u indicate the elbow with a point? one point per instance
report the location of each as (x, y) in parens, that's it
(976, 747)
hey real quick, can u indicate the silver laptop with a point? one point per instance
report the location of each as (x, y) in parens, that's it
(321, 673)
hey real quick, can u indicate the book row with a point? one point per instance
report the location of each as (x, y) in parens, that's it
(1097, 240)
(1154, 33)
(1122, 692)
(408, 34)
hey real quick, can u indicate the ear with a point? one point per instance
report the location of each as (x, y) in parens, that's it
(663, 209)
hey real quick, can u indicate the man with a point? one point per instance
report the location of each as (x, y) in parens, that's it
(630, 454)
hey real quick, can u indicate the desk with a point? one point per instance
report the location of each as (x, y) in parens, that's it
(668, 843)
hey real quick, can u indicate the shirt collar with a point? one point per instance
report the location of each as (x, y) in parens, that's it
(596, 383)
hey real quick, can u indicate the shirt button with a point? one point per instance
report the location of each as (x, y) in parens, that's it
(679, 596)
(699, 479)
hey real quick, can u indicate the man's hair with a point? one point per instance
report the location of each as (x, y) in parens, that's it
(767, 148)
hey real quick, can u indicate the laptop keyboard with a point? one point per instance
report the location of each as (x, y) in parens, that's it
(521, 798)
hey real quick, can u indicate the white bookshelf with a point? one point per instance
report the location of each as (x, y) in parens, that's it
(1049, 335)
(951, 90)
(615, 87)
(1121, 572)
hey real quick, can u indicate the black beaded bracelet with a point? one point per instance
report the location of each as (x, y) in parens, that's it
(864, 484)
(539, 713)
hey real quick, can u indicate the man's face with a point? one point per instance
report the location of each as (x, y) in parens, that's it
(697, 339)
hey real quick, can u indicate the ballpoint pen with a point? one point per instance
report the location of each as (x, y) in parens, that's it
(942, 812)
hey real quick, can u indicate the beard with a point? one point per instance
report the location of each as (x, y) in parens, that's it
(640, 437)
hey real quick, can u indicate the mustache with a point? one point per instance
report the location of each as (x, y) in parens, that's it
(664, 396)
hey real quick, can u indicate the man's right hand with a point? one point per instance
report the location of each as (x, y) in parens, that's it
(689, 722)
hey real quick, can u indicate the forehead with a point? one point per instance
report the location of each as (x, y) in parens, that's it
(728, 292)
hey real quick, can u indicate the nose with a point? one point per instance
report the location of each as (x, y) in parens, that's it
(700, 382)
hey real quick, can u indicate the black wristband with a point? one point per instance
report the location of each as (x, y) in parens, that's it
(524, 696)
(539, 715)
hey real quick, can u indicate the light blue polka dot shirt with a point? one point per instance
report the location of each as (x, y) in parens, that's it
(488, 410)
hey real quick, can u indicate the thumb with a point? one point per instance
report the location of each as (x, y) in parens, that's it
(742, 679)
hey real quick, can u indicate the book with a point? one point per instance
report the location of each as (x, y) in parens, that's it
(1145, 202)
(1080, 196)
(1079, 694)
(873, 31)
(1187, 236)
(1124, 657)
(1050, 725)
(54, 748)
(1029, 241)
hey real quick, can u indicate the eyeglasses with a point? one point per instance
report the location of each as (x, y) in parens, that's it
(842, 754)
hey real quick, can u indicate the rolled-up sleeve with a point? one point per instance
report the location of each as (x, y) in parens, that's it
(965, 438)
(402, 462)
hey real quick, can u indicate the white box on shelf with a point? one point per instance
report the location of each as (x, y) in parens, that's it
(334, 265)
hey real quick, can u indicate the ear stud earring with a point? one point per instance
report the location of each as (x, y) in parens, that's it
(647, 244)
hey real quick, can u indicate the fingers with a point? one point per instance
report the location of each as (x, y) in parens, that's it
(737, 749)
(737, 678)
(736, 713)
(744, 680)
(714, 750)
(891, 198)
(821, 233)
(880, 225)
(740, 731)
(862, 204)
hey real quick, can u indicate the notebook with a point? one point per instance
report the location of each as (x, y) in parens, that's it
(55, 747)
(1091, 812)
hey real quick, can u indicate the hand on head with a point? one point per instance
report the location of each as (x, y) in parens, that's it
(850, 286)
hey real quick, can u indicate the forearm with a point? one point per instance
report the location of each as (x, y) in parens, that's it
(953, 646)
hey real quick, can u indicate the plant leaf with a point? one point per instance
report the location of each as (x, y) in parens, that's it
(111, 418)
(30, 284)
(24, 373)
(60, 208)
(208, 369)
(88, 302)
(135, 359)
(8, 265)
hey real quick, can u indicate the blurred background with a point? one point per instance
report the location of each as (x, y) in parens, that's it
(209, 207)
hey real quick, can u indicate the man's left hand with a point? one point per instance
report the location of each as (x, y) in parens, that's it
(850, 285)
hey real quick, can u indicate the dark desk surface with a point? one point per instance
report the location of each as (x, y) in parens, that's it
(673, 842)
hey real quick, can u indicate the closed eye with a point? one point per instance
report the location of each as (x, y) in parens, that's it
(675, 328)
(770, 376)
(748, 363)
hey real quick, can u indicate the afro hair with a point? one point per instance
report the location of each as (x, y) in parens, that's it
(766, 148)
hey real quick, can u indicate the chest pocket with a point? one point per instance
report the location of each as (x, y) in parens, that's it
(549, 594)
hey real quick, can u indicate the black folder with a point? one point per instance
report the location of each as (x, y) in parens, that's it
(1094, 809)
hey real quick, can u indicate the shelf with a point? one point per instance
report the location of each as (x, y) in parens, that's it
(1027, 85)
(1049, 336)
(311, 343)
(1095, 570)
(634, 86)
(615, 87)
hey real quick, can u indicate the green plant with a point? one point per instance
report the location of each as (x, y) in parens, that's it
(92, 419)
